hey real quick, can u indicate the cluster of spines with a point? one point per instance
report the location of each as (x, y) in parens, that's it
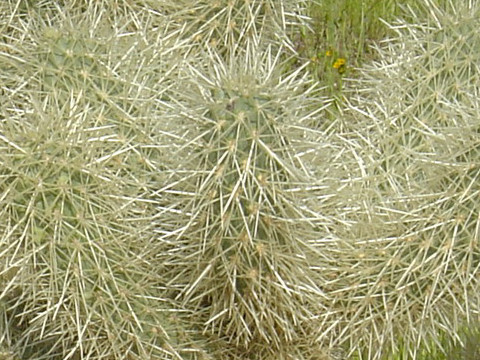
(231, 26)
(247, 276)
(76, 169)
(235, 214)
(416, 107)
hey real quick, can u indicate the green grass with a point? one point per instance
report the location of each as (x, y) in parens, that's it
(347, 29)
(350, 27)
(465, 347)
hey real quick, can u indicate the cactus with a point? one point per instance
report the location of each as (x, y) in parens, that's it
(418, 113)
(73, 246)
(241, 257)
(158, 202)
(77, 162)
(230, 25)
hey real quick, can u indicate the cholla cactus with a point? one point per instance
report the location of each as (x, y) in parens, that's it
(243, 253)
(418, 112)
(77, 159)
(78, 281)
(229, 25)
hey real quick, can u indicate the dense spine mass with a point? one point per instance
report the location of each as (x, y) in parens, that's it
(75, 216)
(169, 188)
(231, 26)
(244, 251)
(420, 112)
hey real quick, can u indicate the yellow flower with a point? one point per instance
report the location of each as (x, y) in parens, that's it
(340, 62)
(329, 53)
